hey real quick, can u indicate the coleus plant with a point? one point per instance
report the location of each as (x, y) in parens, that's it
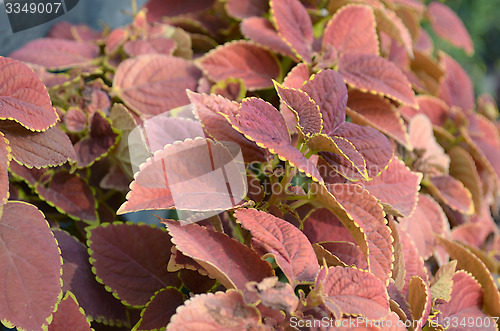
(371, 172)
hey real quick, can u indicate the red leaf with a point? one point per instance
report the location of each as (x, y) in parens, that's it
(5, 159)
(352, 30)
(379, 113)
(261, 31)
(323, 226)
(253, 64)
(160, 309)
(247, 8)
(151, 46)
(57, 54)
(101, 139)
(23, 97)
(453, 193)
(353, 292)
(210, 110)
(455, 88)
(294, 25)
(219, 311)
(465, 303)
(427, 219)
(195, 175)
(378, 75)
(152, 84)
(449, 26)
(99, 304)
(347, 252)
(71, 195)
(223, 258)
(156, 9)
(261, 122)
(39, 149)
(328, 90)
(69, 315)
(396, 187)
(294, 79)
(305, 109)
(131, 260)
(289, 246)
(29, 259)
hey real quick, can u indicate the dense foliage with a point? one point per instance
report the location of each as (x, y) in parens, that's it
(326, 163)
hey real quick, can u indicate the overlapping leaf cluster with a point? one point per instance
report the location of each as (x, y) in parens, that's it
(372, 171)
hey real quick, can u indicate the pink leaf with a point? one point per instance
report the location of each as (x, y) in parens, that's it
(255, 65)
(378, 75)
(75, 120)
(247, 8)
(153, 83)
(29, 258)
(289, 246)
(23, 97)
(453, 193)
(5, 160)
(456, 88)
(396, 187)
(294, 26)
(352, 30)
(57, 54)
(261, 31)
(131, 260)
(151, 46)
(449, 26)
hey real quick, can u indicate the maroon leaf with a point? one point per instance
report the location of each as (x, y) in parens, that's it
(161, 80)
(253, 64)
(23, 97)
(304, 108)
(219, 311)
(347, 252)
(29, 258)
(131, 260)
(328, 90)
(71, 195)
(101, 139)
(247, 8)
(377, 112)
(5, 159)
(69, 315)
(78, 278)
(156, 9)
(322, 225)
(160, 309)
(353, 292)
(294, 26)
(261, 122)
(455, 88)
(39, 149)
(195, 175)
(210, 110)
(261, 31)
(397, 188)
(223, 258)
(352, 30)
(378, 75)
(449, 26)
(57, 54)
(289, 246)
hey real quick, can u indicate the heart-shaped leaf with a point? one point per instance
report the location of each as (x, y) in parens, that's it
(78, 278)
(378, 75)
(57, 54)
(160, 309)
(160, 79)
(71, 195)
(294, 26)
(352, 30)
(131, 260)
(353, 292)
(29, 258)
(289, 246)
(449, 26)
(253, 64)
(216, 311)
(69, 315)
(24, 99)
(397, 188)
(223, 258)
